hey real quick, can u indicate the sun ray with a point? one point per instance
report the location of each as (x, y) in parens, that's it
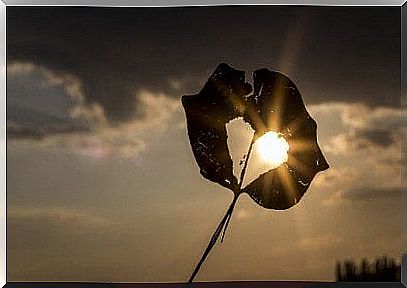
(274, 122)
(296, 124)
(299, 165)
(288, 182)
(298, 146)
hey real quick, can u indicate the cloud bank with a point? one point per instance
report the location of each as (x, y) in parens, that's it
(76, 125)
(367, 149)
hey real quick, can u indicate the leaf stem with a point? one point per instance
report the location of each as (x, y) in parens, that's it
(225, 220)
(242, 174)
(214, 238)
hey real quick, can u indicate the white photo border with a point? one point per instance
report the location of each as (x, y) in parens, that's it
(169, 3)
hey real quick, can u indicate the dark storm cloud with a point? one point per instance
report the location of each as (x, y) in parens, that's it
(36, 109)
(370, 193)
(23, 123)
(334, 54)
(379, 137)
(382, 130)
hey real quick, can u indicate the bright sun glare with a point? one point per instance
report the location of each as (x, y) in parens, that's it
(273, 148)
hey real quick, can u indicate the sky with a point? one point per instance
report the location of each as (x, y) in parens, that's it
(101, 181)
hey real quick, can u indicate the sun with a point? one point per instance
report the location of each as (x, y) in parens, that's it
(273, 148)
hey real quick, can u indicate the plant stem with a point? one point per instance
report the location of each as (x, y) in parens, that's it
(214, 238)
(242, 174)
(225, 220)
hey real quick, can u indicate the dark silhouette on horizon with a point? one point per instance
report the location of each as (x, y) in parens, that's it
(383, 269)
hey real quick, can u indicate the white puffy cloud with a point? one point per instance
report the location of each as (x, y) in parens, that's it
(87, 131)
(364, 147)
(127, 139)
(91, 112)
(364, 127)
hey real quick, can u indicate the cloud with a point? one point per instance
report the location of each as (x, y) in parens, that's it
(364, 147)
(336, 182)
(335, 176)
(31, 124)
(310, 244)
(380, 137)
(19, 68)
(104, 58)
(369, 128)
(76, 125)
(372, 193)
(364, 128)
(58, 216)
(345, 184)
(109, 53)
(90, 112)
(318, 242)
(129, 138)
(101, 67)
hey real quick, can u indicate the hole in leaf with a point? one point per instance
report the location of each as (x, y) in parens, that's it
(240, 135)
(269, 151)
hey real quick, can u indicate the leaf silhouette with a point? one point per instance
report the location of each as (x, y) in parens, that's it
(276, 105)
(221, 100)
